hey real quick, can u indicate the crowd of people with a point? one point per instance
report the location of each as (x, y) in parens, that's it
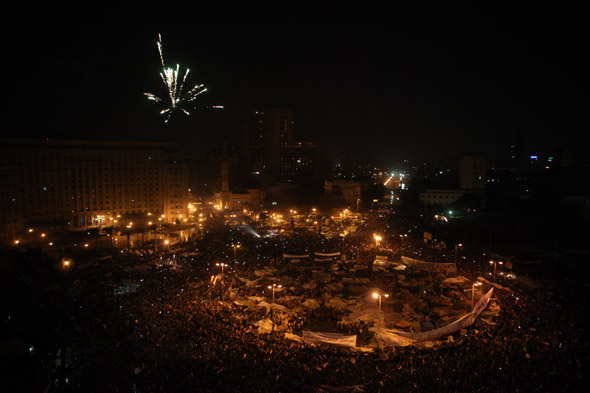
(175, 334)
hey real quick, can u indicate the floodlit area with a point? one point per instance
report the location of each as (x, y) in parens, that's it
(295, 305)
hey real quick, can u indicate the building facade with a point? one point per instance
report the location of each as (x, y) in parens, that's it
(300, 159)
(88, 183)
(263, 135)
(467, 175)
(273, 155)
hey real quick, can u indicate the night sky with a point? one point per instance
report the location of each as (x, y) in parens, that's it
(418, 85)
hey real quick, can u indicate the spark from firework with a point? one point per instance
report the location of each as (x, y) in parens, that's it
(175, 86)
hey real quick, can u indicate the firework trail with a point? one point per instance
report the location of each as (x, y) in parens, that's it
(174, 86)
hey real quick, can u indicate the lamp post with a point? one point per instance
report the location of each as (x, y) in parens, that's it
(378, 296)
(456, 247)
(492, 262)
(235, 252)
(475, 284)
(357, 205)
(222, 266)
(377, 239)
(402, 237)
(273, 286)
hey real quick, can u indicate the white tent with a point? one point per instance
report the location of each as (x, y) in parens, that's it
(264, 325)
(311, 303)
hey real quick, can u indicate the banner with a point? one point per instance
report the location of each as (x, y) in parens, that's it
(482, 304)
(401, 338)
(295, 256)
(327, 254)
(497, 286)
(450, 268)
(329, 338)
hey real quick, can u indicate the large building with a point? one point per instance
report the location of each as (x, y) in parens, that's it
(263, 135)
(472, 173)
(88, 183)
(348, 190)
(272, 154)
(251, 198)
(299, 160)
(468, 176)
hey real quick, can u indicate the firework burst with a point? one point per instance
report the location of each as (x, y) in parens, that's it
(178, 100)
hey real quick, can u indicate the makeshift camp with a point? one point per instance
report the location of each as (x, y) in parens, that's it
(401, 338)
(264, 325)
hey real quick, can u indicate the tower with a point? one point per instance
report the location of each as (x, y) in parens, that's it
(264, 134)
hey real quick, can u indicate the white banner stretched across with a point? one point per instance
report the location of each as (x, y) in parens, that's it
(401, 338)
(329, 338)
(430, 266)
(327, 254)
(295, 256)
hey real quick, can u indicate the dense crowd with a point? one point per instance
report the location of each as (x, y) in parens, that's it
(175, 335)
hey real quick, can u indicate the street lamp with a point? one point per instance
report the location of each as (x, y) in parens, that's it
(492, 262)
(475, 284)
(273, 286)
(378, 296)
(235, 254)
(222, 266)
(402, 236)
(377, 239)
(66, 263)
(357, 205)
(456, 247)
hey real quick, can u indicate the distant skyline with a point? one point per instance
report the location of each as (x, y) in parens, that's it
(421, 87)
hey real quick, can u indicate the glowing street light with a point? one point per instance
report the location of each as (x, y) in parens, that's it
(235, 246)
(492, 262)
(457, 246)
(377, 239)
(378, 296)
(273, 286)
(475, 284)
(66, 263)
(402, 237)
(222, 266)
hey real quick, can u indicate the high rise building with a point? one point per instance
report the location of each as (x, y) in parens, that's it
(88, 183)
(300, 159)
(472, 172)
(264, 133)
(272, 153)
(461, 176)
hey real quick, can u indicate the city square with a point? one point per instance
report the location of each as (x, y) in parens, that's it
(397, 202)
